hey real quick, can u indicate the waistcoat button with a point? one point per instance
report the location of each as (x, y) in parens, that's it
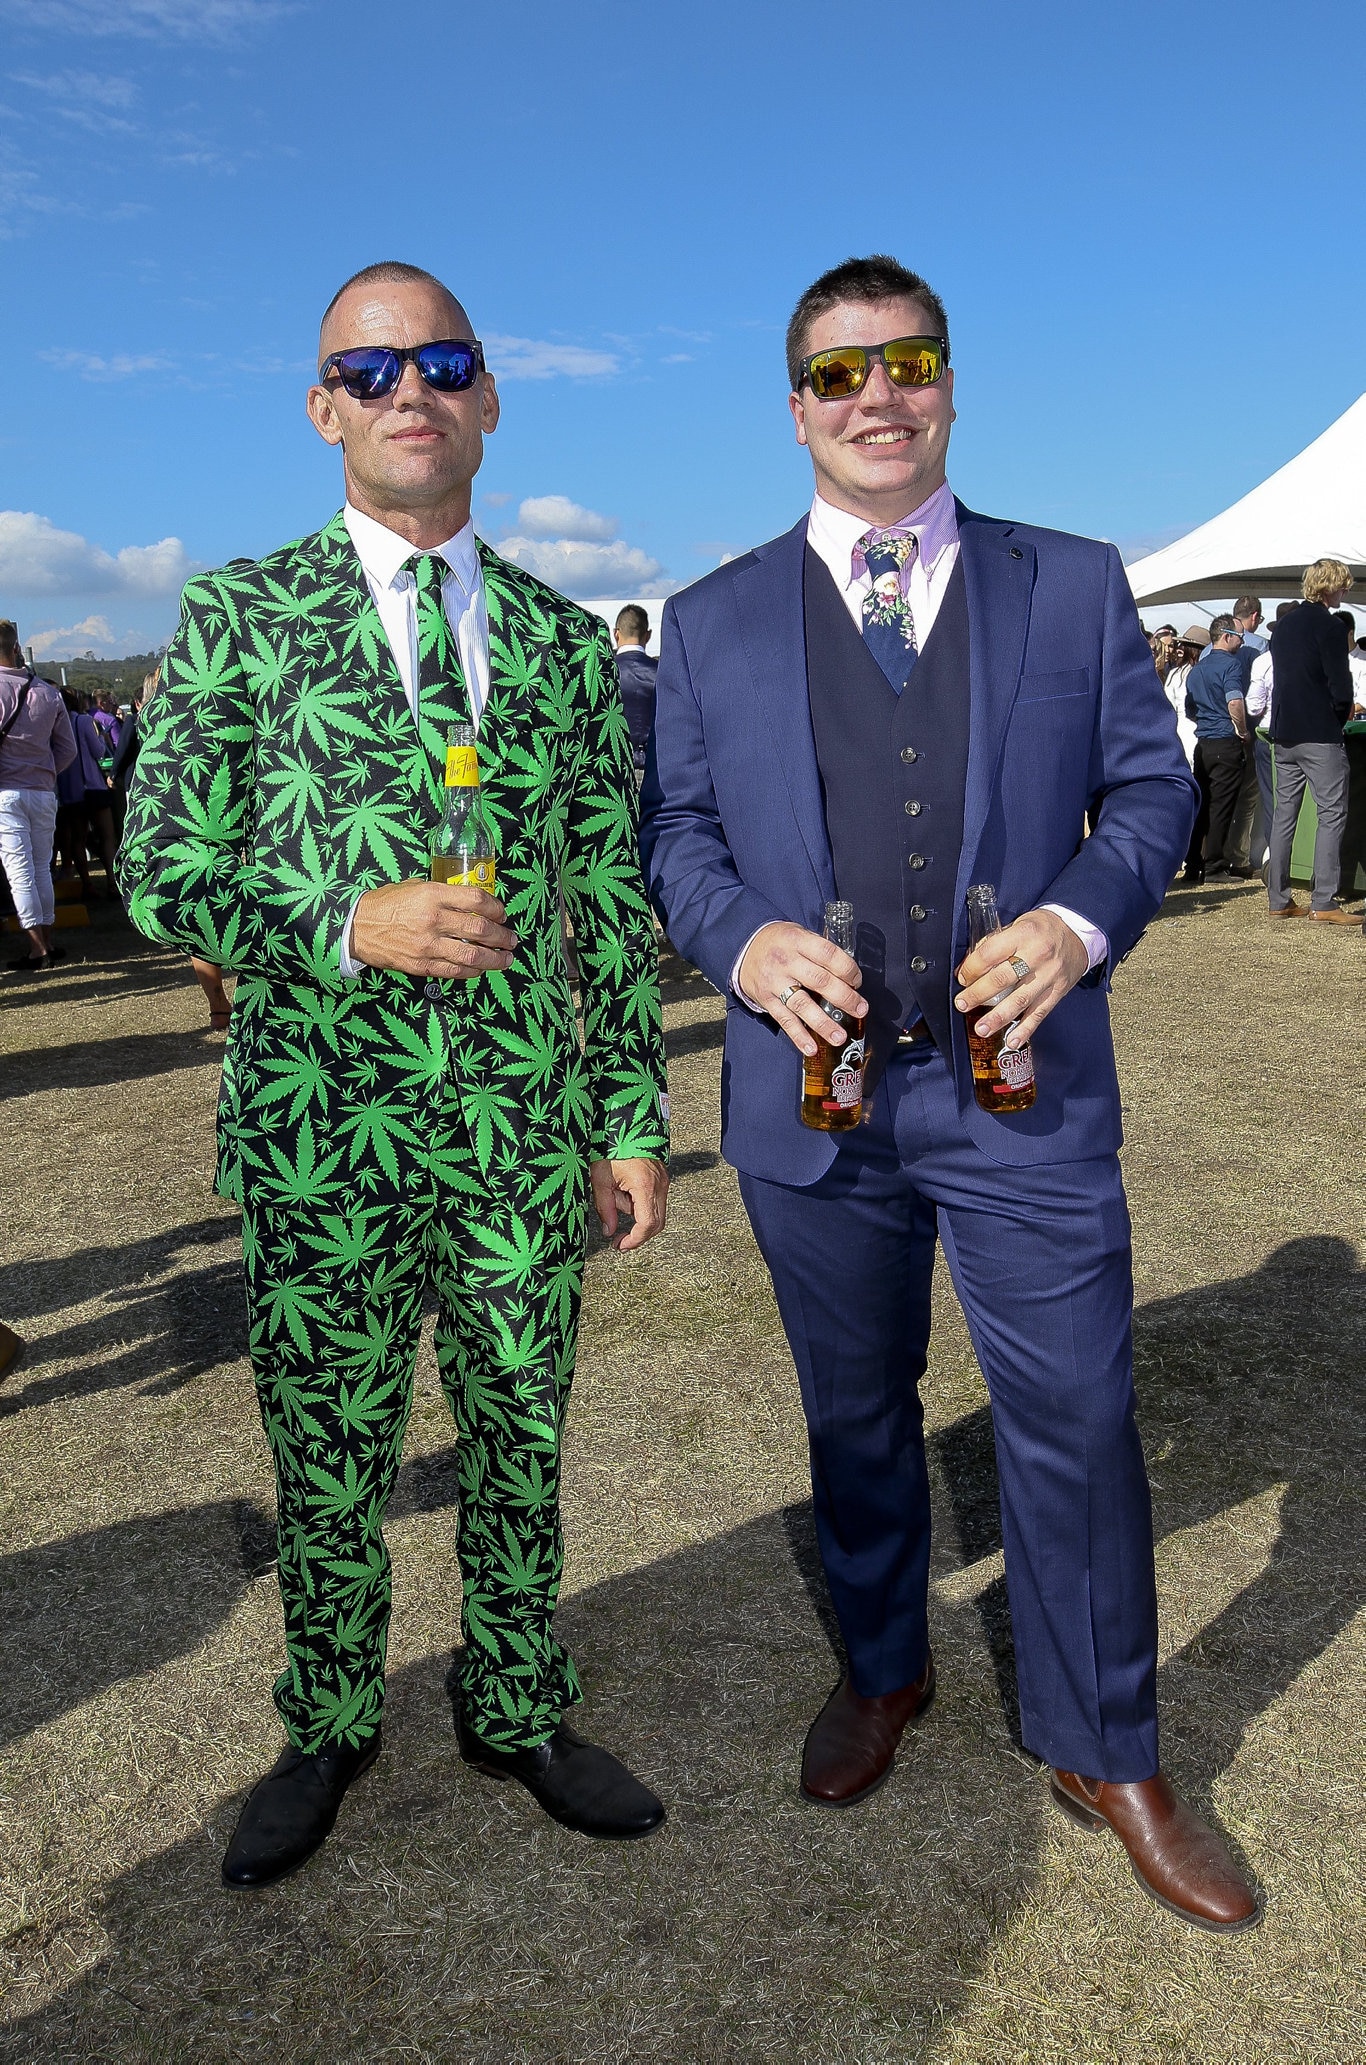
(917, 860)
(909, 754)
(912, 810)
(917, 910)
(918, 964)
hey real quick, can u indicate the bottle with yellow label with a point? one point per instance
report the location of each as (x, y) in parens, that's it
(462, 846)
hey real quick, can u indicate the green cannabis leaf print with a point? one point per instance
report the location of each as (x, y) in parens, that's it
(386, 1134)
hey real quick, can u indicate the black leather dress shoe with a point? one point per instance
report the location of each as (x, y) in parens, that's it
(290, 1812)
(579, 1785)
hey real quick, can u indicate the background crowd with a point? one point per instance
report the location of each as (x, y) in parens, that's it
(1260, 718)
(1260, 711)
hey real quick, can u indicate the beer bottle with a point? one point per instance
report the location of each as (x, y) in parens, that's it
(1002, 1077)
(832, 1077)
(462, 845)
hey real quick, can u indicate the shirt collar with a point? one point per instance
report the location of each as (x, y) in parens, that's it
(835, 534)
(384, 554)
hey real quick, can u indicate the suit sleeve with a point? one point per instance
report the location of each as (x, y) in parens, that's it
(614, 935)
(711, 912)
(1142, 799)
(1336, 646)
(187, 867)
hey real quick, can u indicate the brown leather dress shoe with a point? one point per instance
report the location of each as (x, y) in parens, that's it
(1176, 1856)
(1289, 910)
(851, 1744)
(1336, 917)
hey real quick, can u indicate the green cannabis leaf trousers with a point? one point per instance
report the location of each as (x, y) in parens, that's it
(334, 1297)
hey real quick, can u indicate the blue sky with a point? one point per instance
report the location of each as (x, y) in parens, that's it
(1140, 219)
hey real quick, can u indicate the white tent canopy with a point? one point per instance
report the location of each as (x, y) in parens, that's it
(1312, 508)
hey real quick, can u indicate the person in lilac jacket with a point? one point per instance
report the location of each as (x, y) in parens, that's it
(36, 742)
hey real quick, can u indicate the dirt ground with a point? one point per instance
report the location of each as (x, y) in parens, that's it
(953, 1918)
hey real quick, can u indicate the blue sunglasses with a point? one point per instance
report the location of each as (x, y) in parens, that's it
(371, 371)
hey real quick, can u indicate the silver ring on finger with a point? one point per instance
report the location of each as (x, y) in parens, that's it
(790, 991)
(1019, 968)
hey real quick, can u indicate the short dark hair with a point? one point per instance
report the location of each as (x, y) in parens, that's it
(632, 622)
(878, 278)
(388, 269)
(1220, 627)
(9, 635)
(1247, 606)
(1344, 616)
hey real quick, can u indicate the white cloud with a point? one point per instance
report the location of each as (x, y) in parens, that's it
(121, 366)
(105, 91)
(204, 20)
(555, 516)
(578, 568)
(678, 358)
(38, 559)
(92, 634)
(528, 358)
(90, 99)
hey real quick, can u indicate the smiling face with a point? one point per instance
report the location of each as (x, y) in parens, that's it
(882, 453)
(411, 456)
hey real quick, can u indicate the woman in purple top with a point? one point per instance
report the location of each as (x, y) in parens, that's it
(93, 751)
(36, 742)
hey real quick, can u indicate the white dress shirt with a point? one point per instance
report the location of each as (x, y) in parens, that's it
(383, 555)
(1260, 688)
(834, 536)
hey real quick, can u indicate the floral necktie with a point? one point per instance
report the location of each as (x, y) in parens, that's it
(438, 655)
(888, 626)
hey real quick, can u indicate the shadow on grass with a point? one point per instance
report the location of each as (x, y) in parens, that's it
(98, 1064)
(752, 1927)
(153, 1329)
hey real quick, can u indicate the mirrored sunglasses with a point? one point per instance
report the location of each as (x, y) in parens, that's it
(371, 371)
(910, 361)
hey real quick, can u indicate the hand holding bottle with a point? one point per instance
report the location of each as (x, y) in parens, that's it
(446, 929)
(1055, 960)
(787, 970)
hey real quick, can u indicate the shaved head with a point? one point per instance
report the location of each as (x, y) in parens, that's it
(350, 315)
(410, 454)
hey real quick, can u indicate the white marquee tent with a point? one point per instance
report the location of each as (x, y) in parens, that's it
(1312, 508)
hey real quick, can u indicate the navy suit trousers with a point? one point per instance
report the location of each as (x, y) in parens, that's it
(1040, 1259)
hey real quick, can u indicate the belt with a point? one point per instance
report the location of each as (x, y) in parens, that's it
(914, 1035)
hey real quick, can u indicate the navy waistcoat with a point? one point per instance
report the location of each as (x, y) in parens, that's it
(893, 771)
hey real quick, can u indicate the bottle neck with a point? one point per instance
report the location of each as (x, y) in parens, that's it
(462, 767)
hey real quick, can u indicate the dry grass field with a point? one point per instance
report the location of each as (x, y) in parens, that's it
(954, 1917)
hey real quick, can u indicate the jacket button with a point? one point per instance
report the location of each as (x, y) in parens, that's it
(917, 910)
(909, 755)
(918, 964)
(433, 990)
(912, 810)
(1015, 552)
(917, 860)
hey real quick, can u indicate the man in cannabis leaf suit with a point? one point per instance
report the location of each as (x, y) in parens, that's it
(405, 1097)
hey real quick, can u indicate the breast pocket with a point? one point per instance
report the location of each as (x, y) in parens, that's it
(1050, 688)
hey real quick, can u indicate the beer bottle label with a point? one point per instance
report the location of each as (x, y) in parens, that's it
(846, 1080)
(1016, 1065)
(462, 767)
(479, 876)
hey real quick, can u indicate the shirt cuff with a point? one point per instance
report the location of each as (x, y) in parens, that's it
(351, 968)
(736, 990)
(1092, 938)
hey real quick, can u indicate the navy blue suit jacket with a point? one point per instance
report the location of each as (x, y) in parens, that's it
(1069, 724)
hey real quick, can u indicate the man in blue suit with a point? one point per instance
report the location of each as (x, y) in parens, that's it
(897, 699)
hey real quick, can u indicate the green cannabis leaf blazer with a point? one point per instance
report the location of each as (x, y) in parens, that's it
(282, 773)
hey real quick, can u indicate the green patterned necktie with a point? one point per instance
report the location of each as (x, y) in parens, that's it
(440, 681)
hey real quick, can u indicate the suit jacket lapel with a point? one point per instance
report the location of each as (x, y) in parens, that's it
(769, 596)
(999, 575)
